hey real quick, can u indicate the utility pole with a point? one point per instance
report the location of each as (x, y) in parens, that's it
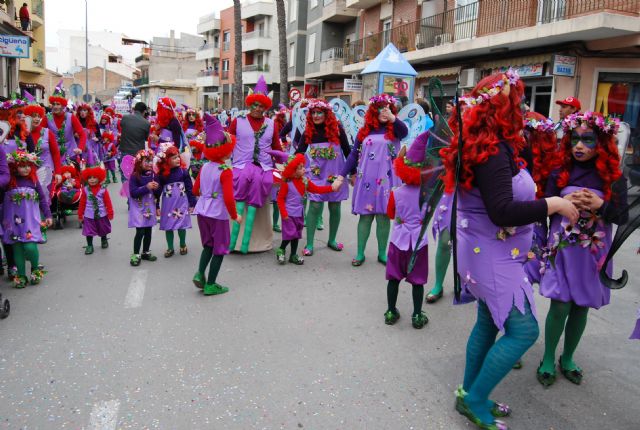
(86, 52)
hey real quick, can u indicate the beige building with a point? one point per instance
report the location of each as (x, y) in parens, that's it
(9, 66)
(32, 68)
(103, 83)
(182, 91)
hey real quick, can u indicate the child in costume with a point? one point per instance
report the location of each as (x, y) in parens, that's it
(177, 197)
(144, 189)
(293, 188)
(407, 216)
(110, 151)
(95, 211)
(191, 124)
(25, 203)
(196, 161)
(69, 190)
(590, 177)
(215, 206)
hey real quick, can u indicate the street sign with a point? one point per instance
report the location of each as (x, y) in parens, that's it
(353, 85)
(564, 65)
(14, 46)
(122, 106)
(76, 90)
(294, 94)
(86, 98)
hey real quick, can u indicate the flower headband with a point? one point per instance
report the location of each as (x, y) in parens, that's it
(162, 149)
(23, 157)
(383, 99)
(319, 104)
(511, 76)
(9, 104)
(545, 126)
(608, 124)
(166, 106)
(144, 153)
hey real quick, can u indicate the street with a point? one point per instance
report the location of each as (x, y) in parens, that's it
(103, 345)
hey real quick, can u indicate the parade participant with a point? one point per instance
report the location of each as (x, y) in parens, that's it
(568, 106)
(18, 137)
(587, 177)
(280, 122)
(144, 189)
(46, 146)
(70, 185)
(197, 160)
(105, 123)
(110, 151)
(95, 211)
(177, 198)
(168, 127)
(377, 144)
(25, 204)
(215, 206)
(495, 195)
(252, 165)
(5, 177)
(407, 216)
(85, 116)
(328, 147)
(65, 127)
(293, 187)
(192, 124)
(440, 230)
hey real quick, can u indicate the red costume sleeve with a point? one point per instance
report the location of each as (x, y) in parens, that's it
(226, 180)
(196, 185)
(77, 128)
(391, 207)
(82, 205)
(54, 149)
(318, 189)
(108, 205)
(282, 196)
(275, 143)
(233, 126)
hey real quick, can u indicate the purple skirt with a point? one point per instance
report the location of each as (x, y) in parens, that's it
(96, 227)
(398, 263)
(215, 234)
(252, 185)
(110, 165)
(292, 228)
(442, 215)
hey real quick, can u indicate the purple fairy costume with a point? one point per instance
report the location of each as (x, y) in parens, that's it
(95, 221)
(213, 216)
(442, 215)
(252, 166)
(142, 201)
(22, 210)
(404, 238)
(177, 198)
(108, 159)
(66, 139)
(292, 227)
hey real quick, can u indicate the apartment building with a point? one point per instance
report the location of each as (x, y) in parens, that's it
(9, 63)
(33, 68)
(208, 54)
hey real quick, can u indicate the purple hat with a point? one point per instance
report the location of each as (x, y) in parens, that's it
(416, 154)
(214, 131)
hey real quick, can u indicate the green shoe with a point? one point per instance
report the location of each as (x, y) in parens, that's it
(68, 212)
(19, 281)
(357, 263)
(214, 289)
(135, 260)
(198, 280)
(499, 410)
(296, 259)
(463, 409)
(518, 365)
(382, 260)
(420, 320)
(107, 181)
(574, 375)
(148, 256)
(88, 250)
(280, 257)
(391, 317)
(104, 243)
(36, 276)
(277, 228)
(545, 378)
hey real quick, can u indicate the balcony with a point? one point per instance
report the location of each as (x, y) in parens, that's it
(207, 52)
(362, 4)
(208, 78)
(331, 63)
(255, 9)
(337, 11)
(208, 23)
(37, 8)
(141, 81)
(251, 73)
(257, 41)
(142, 60)
(481, 27)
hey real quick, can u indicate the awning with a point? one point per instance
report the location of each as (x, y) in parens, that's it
(514, 62)
(6, 28)
(446, 71)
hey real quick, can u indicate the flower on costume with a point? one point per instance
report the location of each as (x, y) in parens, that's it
(515, 252)
(476, 250)
(505, 232)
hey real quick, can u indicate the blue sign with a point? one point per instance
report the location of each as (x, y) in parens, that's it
(14, 46)
(564, 65)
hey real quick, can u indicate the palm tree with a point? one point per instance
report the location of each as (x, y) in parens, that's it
(238, 94)
(282, 47)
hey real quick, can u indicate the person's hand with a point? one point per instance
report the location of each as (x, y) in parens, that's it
(77, 151)
(153, 185)
(285, 218)
(58, 178)
(95, 139)
(191, 210)
(76, 135)
(591, 200)
(239, 219)
(575, 198)
(154, 137)
(48, 222)
(352, 180)
(563, 207)
(336, 185)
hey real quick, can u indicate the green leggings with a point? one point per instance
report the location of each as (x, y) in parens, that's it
(383, 224)
(443, 257)
(314, 214)
(182, 235)
(23, 251)
(570, 319)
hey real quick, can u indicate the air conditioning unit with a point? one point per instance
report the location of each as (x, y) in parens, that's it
(442, 38)
(468, 78)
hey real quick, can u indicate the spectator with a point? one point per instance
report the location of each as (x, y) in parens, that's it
(24, 17)
(135, 130)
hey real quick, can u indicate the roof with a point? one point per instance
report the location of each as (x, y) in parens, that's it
(390, 60)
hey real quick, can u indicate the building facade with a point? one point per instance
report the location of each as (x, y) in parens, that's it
(208, 54)
(9, 65)
(33, 68)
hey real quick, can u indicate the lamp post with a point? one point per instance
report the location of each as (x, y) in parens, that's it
(86, 53)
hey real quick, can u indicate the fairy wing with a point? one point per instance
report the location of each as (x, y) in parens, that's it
(342, 111)
(414, 117)
(223, 118)
(127, 164)
(44, 175)
(4, 129)
(301, 116)
(357, 120)
(186, 156)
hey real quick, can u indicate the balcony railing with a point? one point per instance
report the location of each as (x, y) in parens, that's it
(478, 19)
(332, 54)
(203, 73)
(141, 81)
(208, 46)
(254, 34)
(143, 57)
(225, 74)
(256, 68)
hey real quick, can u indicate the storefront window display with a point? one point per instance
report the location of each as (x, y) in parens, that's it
(618, 94)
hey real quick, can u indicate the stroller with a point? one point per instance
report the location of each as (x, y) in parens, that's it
(65, 197)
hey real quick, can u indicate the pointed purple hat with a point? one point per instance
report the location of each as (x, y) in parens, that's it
(260, 94)
(416, 154)
(214, 131)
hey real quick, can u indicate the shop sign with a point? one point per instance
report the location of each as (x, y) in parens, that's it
(14, 46)
(527, 70)
(564, 65)
(333, 86)
(294, 94)
(397, 86)
(311, 90)
(353, 85)
(122, 106)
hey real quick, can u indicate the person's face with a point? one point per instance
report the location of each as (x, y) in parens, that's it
(36, 120)
(24, 170)
(300, 171)
(566, 110)
(318, 116)
(174, 161)
(256, 110)
(83, 113)
(67, 175)
(56, 108)
(20, 115)
(93, 181)
(383, 114)
(583, 143)
(147, 164)
(191, 116)
(448, 108)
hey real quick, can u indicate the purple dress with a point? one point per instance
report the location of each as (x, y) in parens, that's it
(536, 261)
(324, 162)
(142, 201)
(404, 238)
(252, 166)
(23, 209)
(292, 227)
(177, 198)
(44, 150)
(213, 217)
(442, 215)
(95, 220)
(66, 139)
(491, 258)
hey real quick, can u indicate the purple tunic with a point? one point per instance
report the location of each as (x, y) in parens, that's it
(536, 263)
(292, 227)
(176, 200)
(44, 150)
(442, 215)
(23, 209)
(10, 145)
(325, 160)
(213, 216)
(69, 143)
(142, 203)
(491, 258)
(95, 221)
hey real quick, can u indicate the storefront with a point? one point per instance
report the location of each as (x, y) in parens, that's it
(447, 76)
(618, 94)
(335, 89)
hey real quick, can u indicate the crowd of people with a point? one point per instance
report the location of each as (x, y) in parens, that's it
(535, 199)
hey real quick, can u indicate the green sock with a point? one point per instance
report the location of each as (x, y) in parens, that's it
(364, 229)
(315, 209)
(334, 221)
(182, 236)
(554, 326)
(276, 214)
(443, 256)
(89, 240)
(214, 268)
(383, 225)
(248, 229)
(573, 331)
(169, 236)
(305, 203)
(31, 253)
(18, 256)
(205, 257)
(235, 230)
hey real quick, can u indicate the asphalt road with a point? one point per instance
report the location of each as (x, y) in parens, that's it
(102, 345)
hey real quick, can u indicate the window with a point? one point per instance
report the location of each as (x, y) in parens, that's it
(313, 3)
(226, 41)
(225, 65)
(386, 32)
(292, 54)
(293, 11)
(312, 48)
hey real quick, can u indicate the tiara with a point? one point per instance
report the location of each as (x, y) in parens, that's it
(545, 125)
(383, 99)
(606, 124)
(511, 76)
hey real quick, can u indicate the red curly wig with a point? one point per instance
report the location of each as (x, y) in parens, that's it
(607, 161)
(163, 164)
(331, 128)
(57, 99)
(259, 98)
(137, 164)
(196, 149)
(484, 126)
(371, 122)
(166, 111)
(90, 124)
(544, 151)
(13, 169)
(98, 172)
(218, 152)
(408, 174)
(292, 165)
(15, 123)
(69, 168)
(32, 110)
(198, 122)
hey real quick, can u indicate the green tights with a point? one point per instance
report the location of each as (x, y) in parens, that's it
(575, 318)
(248, 227)
(182, 235)
(276, 214)
(315, 214)
(216, 262)
(383, 224)
(443, 256)
(23, 252)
